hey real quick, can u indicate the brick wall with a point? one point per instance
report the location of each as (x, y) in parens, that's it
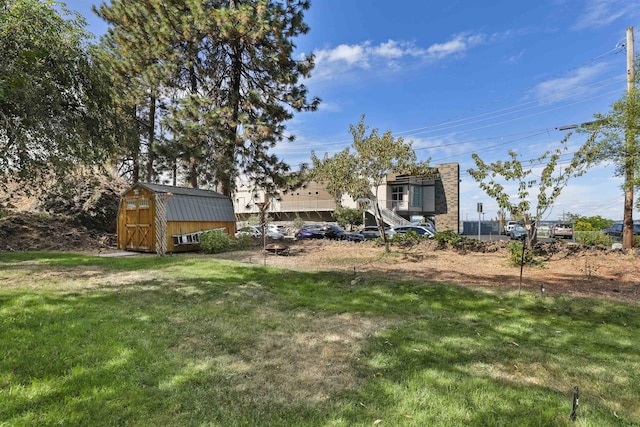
(448, 197)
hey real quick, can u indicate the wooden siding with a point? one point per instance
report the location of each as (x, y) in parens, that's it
(178, 228)
(137, 228)
(136, 221)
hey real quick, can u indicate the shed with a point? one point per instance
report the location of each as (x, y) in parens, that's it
(162, 218)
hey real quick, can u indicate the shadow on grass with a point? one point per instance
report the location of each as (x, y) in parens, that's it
(202, 341)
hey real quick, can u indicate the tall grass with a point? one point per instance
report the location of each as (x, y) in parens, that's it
(194, 341)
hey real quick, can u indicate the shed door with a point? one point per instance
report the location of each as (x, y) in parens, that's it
(138, 223)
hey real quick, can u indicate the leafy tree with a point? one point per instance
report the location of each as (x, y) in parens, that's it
(348, 216)
(552, 180)
(617, 136)
(55, 97)
(225, 75)
(590, 223)
(361, 172)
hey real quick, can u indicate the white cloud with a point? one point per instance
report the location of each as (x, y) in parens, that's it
(515, 58)
(456, 46)
(394, 55)
(558, 88)
(599, 13)
(348, 54)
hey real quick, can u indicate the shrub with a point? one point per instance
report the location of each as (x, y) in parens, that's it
(406, 239)
(448, 237)
(214, 242)
(516, 258)
(298, 223)
(593, 238)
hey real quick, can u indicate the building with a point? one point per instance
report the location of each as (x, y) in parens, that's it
(402, 199)
(161, 218)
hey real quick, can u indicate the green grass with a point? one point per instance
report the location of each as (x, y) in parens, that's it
(189, 340)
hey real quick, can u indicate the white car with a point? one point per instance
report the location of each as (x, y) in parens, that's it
(255, 231)
(276, 229)
(401, 229)
(510, 226)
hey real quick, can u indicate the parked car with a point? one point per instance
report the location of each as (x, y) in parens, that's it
(251, 230)
(518, 232)
(509, 226)
(310, 231)
(428, 226)
(562, 229)
(402, 229)
(330, 231)
(273, 228)
(616, 229)
(256, 232)
(371, 232)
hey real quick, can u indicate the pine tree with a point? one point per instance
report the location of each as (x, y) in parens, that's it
(225, 75)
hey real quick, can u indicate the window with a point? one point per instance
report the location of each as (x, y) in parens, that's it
(131, 203)
(416, 196)
(144, 203)
(397, 196)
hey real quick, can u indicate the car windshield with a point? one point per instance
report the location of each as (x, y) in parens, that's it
(519, 228)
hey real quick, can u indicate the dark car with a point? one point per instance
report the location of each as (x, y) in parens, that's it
(327, 232)
(311, 231)
(616, 229)
(562, 229)
(371, 232)
(518, 232)
(338, 233)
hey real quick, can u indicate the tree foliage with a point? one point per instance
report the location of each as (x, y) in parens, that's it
(612, 131)
(360, 170)
(588, 223)
(494, 178)
(617, 135)
(55, 97)
(348, 216)
(224, 78)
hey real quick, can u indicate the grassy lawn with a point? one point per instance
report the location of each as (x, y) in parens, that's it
(187, 340)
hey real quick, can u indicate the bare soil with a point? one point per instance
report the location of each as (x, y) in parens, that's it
(566, 269)
(31, 231)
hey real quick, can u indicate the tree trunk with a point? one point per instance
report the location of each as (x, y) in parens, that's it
(151, 136)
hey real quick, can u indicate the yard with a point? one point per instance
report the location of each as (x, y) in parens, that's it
(201, 340)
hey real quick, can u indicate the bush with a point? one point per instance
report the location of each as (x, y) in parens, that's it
(516, 258)
(298, 223)
(406, 239)
(593, 238)
(449, 237)
(214, 242)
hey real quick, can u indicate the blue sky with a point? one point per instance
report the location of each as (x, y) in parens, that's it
(462, 77)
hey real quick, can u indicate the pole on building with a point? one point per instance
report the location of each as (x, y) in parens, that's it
(479, 208)
(627, 230)
(263, 207)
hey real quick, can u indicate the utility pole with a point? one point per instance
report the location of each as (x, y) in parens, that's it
(629, 162)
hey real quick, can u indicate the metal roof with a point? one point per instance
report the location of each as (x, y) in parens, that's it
(194, 204)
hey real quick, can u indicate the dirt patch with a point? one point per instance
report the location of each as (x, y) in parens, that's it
(566, 269)
(28, 231)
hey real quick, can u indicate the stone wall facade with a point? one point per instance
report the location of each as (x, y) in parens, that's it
(448, 197)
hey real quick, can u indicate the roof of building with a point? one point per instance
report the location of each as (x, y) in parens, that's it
(193, 204)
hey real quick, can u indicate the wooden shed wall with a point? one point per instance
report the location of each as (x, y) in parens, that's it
(178, 228)
(137, 228)
(136, 221)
